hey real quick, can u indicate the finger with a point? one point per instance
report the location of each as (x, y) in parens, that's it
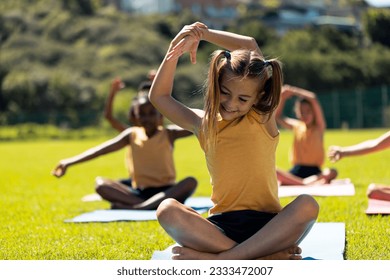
(200, 24)
(186, 30)
(193, 52)
(179, 44)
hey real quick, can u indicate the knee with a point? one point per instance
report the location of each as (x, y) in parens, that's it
(309, 206)
(100, 185)
(99, 181)
(191, 182)
(167, 211)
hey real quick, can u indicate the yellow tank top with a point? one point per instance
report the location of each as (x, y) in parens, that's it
(153, 164)
(242, 166)
(308, 146)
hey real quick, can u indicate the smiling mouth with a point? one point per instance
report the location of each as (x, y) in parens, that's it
(228, 111)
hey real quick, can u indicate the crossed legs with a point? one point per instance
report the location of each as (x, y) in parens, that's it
(325, 177)
(122, 198)
(200, 239)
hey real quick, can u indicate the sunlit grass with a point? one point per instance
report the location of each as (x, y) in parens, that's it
(34, 204)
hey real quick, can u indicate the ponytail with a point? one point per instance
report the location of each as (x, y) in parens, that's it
(211, 99)
(273, 75)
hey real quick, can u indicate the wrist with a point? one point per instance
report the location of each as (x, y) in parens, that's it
(204, 33)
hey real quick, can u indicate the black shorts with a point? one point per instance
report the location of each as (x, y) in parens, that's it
(242, 224)
(145, 193)
(126, 182)
(304, 171)
(149, 192)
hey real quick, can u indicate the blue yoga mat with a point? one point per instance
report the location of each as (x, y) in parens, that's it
(200, 204)
(325, 241)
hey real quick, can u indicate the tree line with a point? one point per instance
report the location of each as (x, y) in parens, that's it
(58, 57)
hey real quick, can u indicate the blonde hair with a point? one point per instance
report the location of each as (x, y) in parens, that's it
(244, 64)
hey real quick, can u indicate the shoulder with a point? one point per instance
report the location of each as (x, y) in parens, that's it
(267, 122)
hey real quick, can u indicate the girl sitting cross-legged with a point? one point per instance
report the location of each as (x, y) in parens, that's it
(238, 133)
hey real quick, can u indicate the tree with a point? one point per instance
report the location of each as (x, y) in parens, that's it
(377, 25)
(84, 7)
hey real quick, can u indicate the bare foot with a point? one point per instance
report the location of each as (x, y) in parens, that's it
(184, 253)
(292, 253)
(324, 178)
(329, 174)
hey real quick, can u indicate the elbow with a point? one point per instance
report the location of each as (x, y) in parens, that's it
(253, 44)
(152, 97)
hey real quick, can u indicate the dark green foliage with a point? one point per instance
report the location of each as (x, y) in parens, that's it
(377, 22)
(58, 58)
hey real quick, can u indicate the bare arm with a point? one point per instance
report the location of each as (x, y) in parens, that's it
(231, 41)
(116, 86)
(187, 41)
(107, 147)
(312, 98)
(282, 120)
(336, 153)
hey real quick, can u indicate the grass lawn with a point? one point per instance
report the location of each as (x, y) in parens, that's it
(34, 204)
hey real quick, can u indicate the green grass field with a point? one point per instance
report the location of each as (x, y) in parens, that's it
(34, 204)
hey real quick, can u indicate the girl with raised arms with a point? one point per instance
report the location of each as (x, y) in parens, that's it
(238, 134)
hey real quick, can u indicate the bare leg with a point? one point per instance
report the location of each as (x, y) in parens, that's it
(115, 192)
(325, 177)
(286, 178)
(197, 235)
(378, 191)
(202, 240)
(190, 229)
(285, 230)
(180, 191)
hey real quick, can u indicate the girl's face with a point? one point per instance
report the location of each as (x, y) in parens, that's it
(147, 116)
(237, 96)
(305, 113)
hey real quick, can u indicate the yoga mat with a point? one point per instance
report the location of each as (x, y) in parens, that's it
(200, 204)
(341, 187)
(376, 206)
(325, 241)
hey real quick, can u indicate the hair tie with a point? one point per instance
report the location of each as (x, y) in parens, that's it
(227, 55)
(268, 68)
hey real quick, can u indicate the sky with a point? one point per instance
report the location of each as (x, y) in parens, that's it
(379, 3)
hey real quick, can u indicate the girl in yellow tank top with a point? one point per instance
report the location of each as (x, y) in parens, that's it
(154, 175)
(238, 134)
(307, 153)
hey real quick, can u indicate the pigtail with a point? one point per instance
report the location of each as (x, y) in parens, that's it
(211, 98)
(273, 76)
